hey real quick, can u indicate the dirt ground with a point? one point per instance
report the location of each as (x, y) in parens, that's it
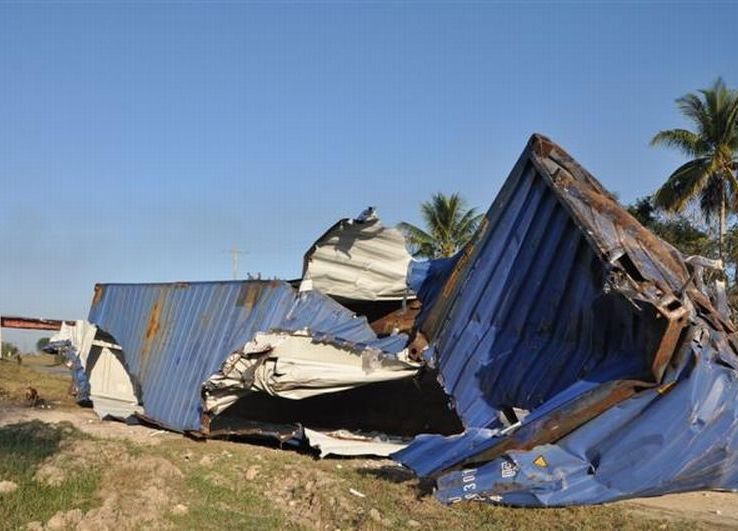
(716, 509)
(85, 421)
(710, 509)
(70, 470)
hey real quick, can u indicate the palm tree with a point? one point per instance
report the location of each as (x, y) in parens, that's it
(709, 176)
(449, 225)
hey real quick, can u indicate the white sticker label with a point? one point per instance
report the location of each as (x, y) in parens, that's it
(508, 469)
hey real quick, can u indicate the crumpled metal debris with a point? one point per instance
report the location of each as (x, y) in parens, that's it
(564, 305)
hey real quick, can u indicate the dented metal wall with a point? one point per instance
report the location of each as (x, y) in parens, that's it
(175, 336)
(563, 304)
(531, 317)
(358, 259)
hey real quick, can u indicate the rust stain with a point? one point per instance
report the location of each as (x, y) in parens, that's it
(31, 323)
(559, 424)
(574, 183)
(251, 297)
(99, 292)
(677, 318)
(152, 328)
(248, 296)
(402, 320)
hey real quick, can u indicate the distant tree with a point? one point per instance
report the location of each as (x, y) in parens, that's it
(8, 349)
(41, 343)
(677, 230)
(449, 224)
(689, 238)
(709, 177)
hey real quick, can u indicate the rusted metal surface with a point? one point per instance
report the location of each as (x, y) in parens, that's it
(552, 229)
(176, 336)
(553, 426)
(564, 305)
(401, 320)
(31, 323)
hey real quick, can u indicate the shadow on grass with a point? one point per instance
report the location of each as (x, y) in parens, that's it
(391, 473)
(23, 448)
(397, 474)
(24, 445)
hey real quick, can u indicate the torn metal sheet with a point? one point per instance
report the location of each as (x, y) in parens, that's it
(174, 337)
(348, 444)
(97, 372)
(358, 259)
(294, 365)
(564, 305)
(74, 342)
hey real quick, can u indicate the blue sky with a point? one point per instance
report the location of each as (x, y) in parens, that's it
(139, 141)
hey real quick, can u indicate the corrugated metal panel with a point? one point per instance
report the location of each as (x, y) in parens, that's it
(358, 259)
(174, 336)
(663, 440)
(530, 317)
(328, 320)
(565, 305)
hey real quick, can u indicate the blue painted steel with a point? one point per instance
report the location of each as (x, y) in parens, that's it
(427, 278)
(174, 336)
(328, 320)
(684, 439)
(557, 298)
(531, 318)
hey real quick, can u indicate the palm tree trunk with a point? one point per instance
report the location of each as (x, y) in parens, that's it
(722, 223)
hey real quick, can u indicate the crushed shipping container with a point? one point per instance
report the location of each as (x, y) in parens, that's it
(259, 358)
(358, 259)
(363, 264)
(564, 306)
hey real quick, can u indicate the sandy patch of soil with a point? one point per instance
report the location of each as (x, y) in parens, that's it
(86, 421)
(716, 509)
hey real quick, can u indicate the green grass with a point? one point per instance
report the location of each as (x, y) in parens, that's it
(293, 490)
(244, 486)
(219, 507)
(14, 379)
(23, 447)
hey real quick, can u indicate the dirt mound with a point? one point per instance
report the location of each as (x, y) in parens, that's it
(76, 456)
(137, 492)
(299, 495)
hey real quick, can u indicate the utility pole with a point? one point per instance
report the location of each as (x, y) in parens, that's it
(235, 251)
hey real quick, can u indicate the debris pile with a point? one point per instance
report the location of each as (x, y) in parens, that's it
(564, 306)
(565, 356)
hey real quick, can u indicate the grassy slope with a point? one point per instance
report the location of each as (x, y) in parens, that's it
(14, 379)
(241, 486)
(23, 447)
(244, 486)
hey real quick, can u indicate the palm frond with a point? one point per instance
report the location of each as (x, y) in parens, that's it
(683, 185)
(686, 141)
(694, 108)
(467, 225)
(448, 226)
(711, 197)
(415, 234)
